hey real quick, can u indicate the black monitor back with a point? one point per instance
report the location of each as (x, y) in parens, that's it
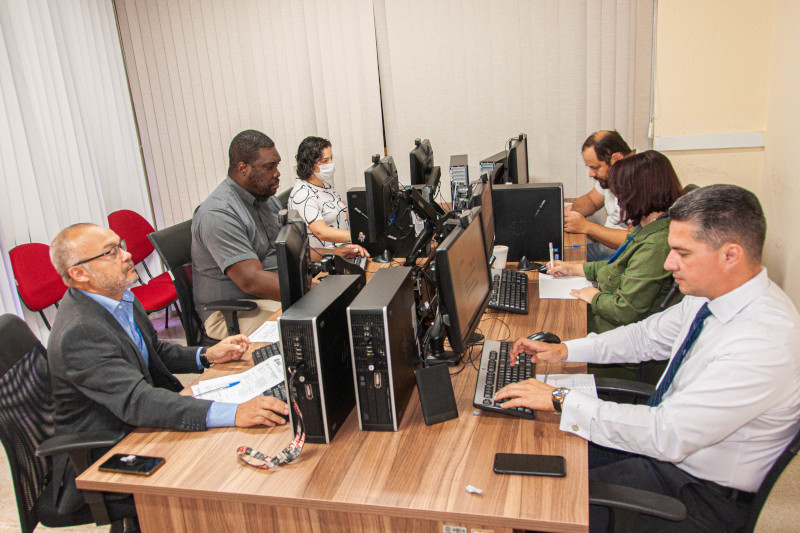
(292, 251)
(527, 218)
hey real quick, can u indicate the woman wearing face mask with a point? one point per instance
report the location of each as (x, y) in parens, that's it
(313, 195)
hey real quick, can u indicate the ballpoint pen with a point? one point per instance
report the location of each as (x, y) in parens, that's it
(546, 371)
(228, 386)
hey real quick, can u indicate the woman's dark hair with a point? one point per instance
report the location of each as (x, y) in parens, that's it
(643, 184)
(308, 152)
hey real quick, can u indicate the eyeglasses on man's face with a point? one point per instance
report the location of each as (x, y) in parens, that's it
(112, 254)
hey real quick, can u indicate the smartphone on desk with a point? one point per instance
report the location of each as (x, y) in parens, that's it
(141, 465)
(530, 465)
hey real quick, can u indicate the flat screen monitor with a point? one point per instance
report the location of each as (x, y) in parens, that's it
(482, 196)
(518, 160)
(383, 189)
(423, 171)
(464, 282)
(294, 258)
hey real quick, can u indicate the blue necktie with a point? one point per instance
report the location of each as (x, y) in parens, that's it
(680, 355)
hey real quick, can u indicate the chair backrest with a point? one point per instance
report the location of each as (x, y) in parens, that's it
(690, 187)
(174, 245)
(26, 413)
(283, 198)
(134, 228)
(38, 283)
(769, 482)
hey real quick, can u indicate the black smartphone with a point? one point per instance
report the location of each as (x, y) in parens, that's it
(141, 465)
(530, 465)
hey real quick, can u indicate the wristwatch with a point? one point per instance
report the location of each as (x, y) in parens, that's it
(203, 358)
(558, 398)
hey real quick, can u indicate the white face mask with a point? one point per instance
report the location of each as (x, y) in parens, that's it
(326, 172)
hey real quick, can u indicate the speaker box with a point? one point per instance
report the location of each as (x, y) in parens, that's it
(527, 218)
(436, 394)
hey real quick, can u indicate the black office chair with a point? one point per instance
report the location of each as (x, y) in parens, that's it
(283, 198)
(690, 187)
(27, 429)
(626, 503)
(174, 245)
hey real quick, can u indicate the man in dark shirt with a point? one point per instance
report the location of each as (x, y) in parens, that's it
(234, 233)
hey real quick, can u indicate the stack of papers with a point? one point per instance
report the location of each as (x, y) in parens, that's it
(248, 384)
(267, 332)
(559, 288)
(581, 382)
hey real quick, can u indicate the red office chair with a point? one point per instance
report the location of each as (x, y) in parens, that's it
(158, 293)
(38, 284)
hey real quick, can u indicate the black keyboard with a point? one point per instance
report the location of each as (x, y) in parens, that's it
(359, 261)
(494, 373)
(262, 354)
(509, 291)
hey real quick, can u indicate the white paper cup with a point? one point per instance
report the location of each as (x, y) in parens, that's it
(500, 253)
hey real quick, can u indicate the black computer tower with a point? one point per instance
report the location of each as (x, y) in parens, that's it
(383, 343)
(527, 218)
(315, 343)
(401, 236)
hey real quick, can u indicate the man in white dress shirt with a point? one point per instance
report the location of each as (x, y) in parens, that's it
(728, 404)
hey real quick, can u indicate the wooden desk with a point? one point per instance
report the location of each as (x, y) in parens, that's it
(412, 480)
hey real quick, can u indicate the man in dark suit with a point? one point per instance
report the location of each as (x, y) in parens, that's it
(108, 369)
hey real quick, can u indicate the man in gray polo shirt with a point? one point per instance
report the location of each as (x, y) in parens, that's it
(233, 236)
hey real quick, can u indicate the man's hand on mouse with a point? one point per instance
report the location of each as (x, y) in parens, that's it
(539, 351)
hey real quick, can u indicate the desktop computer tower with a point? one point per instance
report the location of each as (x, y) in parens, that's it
(459, 182)
(314, 342)
(527, 218)
(490, 165)
(401, 237)
(383, 341)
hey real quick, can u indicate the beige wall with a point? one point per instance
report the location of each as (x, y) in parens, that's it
(781, 185)
(726, 66)
(712, 63)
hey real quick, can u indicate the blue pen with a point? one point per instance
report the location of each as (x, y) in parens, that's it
(228, 386)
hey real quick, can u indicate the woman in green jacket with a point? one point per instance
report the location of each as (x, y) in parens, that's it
(632, 284)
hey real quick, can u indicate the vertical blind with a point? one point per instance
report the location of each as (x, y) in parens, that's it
(202, 71)
(68, 142)
(469, 75)
(466, 74)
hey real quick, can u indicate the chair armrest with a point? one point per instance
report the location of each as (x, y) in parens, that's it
(624, 387)
(637, 501)
(230, 305)
(230, 310)
(85, 440)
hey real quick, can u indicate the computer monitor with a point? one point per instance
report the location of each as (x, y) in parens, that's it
(499, 176)
(383, 198)
(482, 196)
(294, 258)
(423, 171)
(464, 283)
(518, 159)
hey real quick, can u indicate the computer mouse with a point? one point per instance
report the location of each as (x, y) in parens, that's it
(545, 336)
(542, 269)
(524, 264)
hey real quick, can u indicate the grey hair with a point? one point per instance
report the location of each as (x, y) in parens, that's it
(722, 214)
(62, 249)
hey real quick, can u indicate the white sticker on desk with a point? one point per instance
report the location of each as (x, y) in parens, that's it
(454, 529)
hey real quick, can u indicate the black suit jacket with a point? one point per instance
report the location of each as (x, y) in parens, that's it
(100, 380)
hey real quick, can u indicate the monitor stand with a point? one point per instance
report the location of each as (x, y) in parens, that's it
(384, 257)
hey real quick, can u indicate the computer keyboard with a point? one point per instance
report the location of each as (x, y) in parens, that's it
(359, 261)
(262, 354)
(509, 291)
(495, 372)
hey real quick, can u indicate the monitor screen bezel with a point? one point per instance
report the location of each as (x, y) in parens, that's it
(459, 339)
